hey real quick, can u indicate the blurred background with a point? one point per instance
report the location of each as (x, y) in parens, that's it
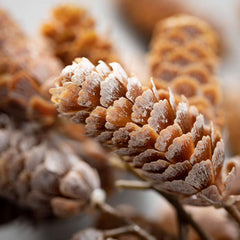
(132, 46)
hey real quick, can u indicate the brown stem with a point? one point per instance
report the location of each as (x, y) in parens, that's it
(182, 228)
(173, 200)
(119, 231)
(133, 227)
(233, 211)
(185, 217)
(131, 184)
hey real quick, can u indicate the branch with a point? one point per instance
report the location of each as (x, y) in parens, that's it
(182, 228)
(131, 184)
(119, 231)
(233, 211)
(132, 227)
(173, 200)
(229, 206)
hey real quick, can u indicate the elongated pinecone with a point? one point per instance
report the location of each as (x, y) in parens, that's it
(26, 67)
(165, 141)
(38, 171)
(71, 32)
(183, 57)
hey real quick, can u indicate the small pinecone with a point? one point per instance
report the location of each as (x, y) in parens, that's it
(183, 57)
(90, 151)
(71, 32)
(26, 67)
(38, 171)
(167, 142)
(144, 14)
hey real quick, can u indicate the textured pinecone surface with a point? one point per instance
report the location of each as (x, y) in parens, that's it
(183, 56)
(166, 141)
(39, 171)
(26, 68)
(71, 32)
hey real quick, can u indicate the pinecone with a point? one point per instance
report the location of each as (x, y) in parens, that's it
(167, 142)
(71, 32)
(26, 67)
(183, 57)
(39, 171)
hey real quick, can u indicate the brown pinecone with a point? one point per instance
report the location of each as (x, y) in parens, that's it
(183, 56)
(165, 141)
(39, 171)
(71, 33)
(26, 67)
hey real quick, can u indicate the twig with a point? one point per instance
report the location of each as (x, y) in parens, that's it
(185, 217)
(173, 200)
(182, 228)
(131, 184)
(133, 227)
(233, 211)
(119, 231)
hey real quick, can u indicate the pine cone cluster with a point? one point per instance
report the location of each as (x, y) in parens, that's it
(71, 32)
(183, 57)
(165, 141)
(25, 67)
(40, 172)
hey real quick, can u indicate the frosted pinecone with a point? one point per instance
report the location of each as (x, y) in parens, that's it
(165, 141)
(26, 68)
(40, 172)
(71, 32)
(183, 56)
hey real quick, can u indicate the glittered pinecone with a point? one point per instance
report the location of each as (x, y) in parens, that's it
(40, 172)
(71, 32)
(165, 141)
(183, 57)
(26, 68)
